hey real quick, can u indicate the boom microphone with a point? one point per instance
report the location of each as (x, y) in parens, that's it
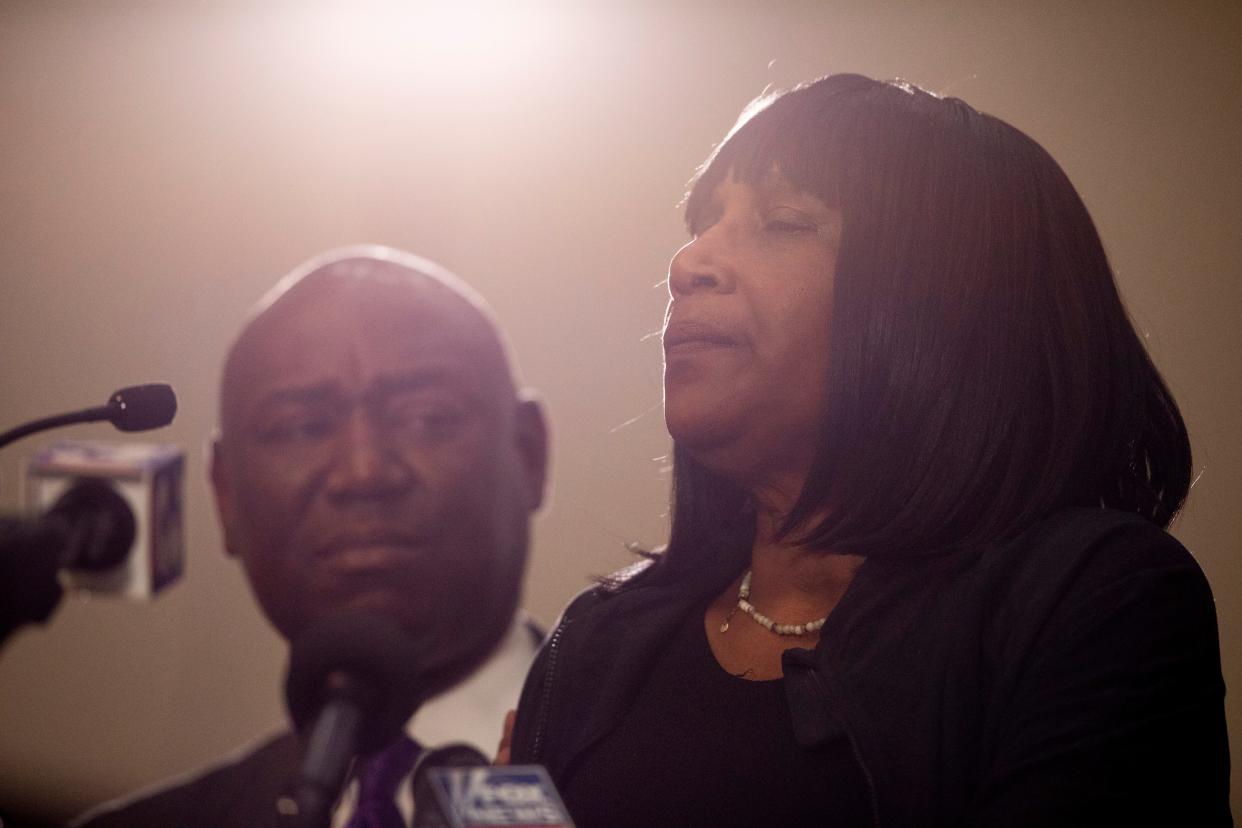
(142, 407)
(136, 408)
(456, 787)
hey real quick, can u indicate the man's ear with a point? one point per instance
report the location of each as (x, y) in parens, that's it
(531, 435)
(226, 507)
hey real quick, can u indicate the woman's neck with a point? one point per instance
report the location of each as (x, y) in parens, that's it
(789, 583)
(792, 580)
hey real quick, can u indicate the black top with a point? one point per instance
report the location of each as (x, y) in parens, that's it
(1068, 676)
(703, 747)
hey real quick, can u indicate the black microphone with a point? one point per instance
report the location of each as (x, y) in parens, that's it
(30, 556)
(136, 408)
(142, 407)
(119, 507)
(90, 528)
(96, 522)
(456, 787)
(351, 687)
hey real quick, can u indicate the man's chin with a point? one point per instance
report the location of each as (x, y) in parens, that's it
(448, 648)
(379, 602)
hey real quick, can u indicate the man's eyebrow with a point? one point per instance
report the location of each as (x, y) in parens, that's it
(318, 393)
(330, 392)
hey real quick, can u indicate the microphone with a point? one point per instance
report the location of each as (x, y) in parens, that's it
(456, 787)
(110, 523)
(136, 408)
(96, 524)
(141, 407)
(90, 526)
(117, 508)
(30, 555)
(351, 687)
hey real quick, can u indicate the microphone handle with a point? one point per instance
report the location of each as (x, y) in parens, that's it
(30, 557)
(331, 745)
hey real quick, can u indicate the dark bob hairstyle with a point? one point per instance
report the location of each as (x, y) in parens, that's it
(983, 371)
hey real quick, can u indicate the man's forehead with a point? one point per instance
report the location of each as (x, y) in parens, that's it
(359, 277)
(331, 306)
(368, 263)
(371, 295)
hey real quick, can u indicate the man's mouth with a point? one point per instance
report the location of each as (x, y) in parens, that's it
(366, 550)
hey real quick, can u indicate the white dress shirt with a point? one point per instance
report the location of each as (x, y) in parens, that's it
(472, 713)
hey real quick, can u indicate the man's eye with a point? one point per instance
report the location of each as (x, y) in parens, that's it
(292, 428)
(427, 420)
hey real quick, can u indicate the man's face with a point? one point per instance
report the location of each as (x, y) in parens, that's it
(374, 457)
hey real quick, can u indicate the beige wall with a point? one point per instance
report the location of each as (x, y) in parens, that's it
(161, 164)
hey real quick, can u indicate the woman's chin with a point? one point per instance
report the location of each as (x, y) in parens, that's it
(712, 440)
(694, 427)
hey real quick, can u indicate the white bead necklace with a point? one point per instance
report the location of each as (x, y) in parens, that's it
(743, 604)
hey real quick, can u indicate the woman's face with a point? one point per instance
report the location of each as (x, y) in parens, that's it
(746, 332)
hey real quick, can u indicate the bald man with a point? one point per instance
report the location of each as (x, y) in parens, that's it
(374, 454)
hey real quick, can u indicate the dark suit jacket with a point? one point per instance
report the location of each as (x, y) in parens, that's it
(242, 792)
(239, 792)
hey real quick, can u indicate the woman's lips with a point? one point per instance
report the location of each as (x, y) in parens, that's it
(685, 337)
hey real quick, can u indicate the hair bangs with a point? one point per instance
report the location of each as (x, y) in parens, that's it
(777, 135)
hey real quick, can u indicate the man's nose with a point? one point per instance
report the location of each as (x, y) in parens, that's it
(367, 463)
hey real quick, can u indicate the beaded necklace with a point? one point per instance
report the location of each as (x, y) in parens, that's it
(743, 604)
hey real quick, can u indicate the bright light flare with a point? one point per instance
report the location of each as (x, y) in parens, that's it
(437, 44)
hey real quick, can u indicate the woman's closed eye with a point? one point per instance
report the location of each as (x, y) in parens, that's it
(789, 221)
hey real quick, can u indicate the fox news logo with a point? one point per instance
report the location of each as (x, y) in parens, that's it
(514, 797)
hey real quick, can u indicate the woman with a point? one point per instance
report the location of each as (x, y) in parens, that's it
(917, 572)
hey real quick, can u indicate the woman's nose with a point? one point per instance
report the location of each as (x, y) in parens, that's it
(699, 266)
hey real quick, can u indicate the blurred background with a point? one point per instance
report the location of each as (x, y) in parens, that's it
(161, 164)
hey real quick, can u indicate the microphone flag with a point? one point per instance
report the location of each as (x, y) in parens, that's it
(148, 478)
(515, 796)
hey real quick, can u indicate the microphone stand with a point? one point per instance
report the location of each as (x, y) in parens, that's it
(89, 415)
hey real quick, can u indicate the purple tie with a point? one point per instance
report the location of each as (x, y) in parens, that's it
(378, 777)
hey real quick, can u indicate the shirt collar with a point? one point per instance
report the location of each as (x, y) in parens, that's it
(473, 711)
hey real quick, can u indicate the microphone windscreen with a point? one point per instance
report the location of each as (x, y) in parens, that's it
(375, 653)
(140, 407)
(99, 524)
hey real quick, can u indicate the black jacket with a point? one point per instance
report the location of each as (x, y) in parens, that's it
(240, 791)
(1068, 677)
